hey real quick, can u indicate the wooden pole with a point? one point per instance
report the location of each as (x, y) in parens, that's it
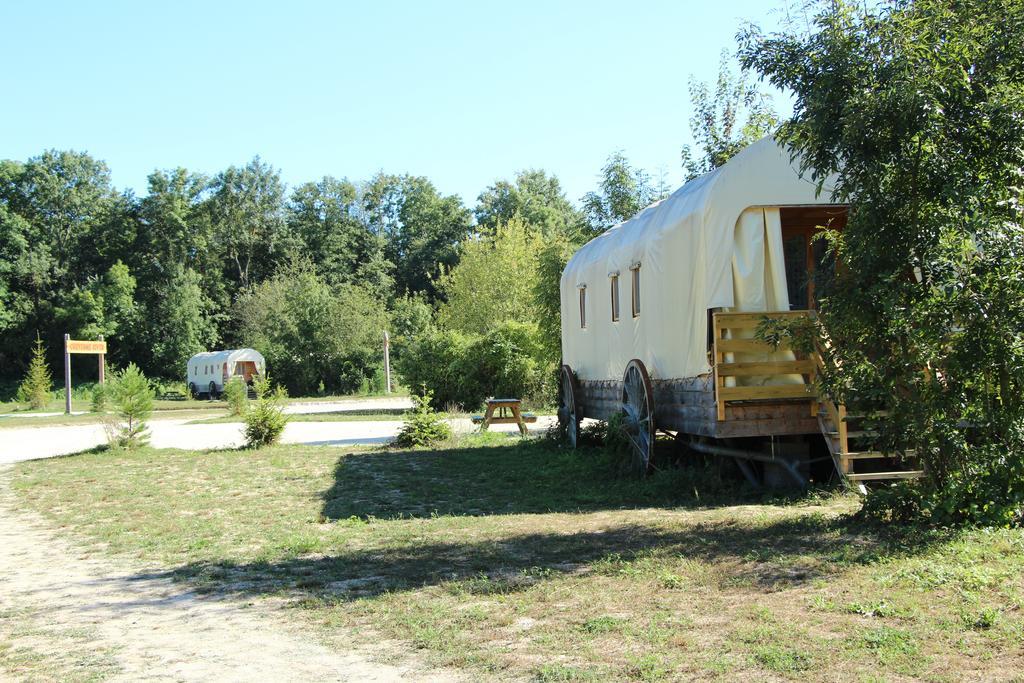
(103, 364)
(387, 363)
(67, 376)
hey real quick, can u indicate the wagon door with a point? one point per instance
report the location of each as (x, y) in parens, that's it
(808, 261)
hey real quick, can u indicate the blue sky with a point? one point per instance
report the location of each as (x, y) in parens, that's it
(464, 93)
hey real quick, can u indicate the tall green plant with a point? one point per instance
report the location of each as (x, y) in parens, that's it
(236, 394)
(36, 387)
(132, 398)
(265, 420)
(912, 110)
(422, 425)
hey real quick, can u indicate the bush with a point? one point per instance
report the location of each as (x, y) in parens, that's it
(236, 393)
(423, 426)
(436, 361)
(265, 420)
(133, 403)
(37, 385)
(98, 398)
(465, 369)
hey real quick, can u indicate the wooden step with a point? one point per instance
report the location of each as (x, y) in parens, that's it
(852, 433)
(882, 476)
(865, 455)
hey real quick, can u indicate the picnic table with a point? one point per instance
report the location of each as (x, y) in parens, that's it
(509, 411)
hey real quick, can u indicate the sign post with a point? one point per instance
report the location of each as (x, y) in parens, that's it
(76, 346)
(67, 374)
(103, 364)
(387, 363)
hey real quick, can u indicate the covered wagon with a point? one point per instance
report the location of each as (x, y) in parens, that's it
(659, 316)
(209, 371)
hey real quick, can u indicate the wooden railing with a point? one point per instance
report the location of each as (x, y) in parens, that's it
(733, 333)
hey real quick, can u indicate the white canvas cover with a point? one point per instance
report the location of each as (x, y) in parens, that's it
(714, 243)
(208, 366)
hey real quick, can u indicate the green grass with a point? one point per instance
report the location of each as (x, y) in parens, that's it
(515, 558)
(16, 420)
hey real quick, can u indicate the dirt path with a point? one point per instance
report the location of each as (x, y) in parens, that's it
(65, 607)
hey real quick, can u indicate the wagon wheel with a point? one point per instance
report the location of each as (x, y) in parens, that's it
(638, 411)
(568, 411)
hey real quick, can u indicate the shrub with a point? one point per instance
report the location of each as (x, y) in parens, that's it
(422, 426)
(133, 403)
(461, 369)
(436, 360)
(236, 393)
(37, 385)
(265, 419)
(98, 398)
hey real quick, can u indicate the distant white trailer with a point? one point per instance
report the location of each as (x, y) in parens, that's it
(209, 371)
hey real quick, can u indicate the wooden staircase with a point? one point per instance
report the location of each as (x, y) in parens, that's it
(855, 458)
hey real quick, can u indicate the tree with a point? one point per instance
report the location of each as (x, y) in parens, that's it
(247, 211)
(547, 292)
(58, 220)
(493, 281)
(236, 395)
(36, 387)
(726, 121)
(265, 420)
(533, 196)
(325, 217)
(180, 324)
(623, 191)
(312, 333)
(421, 228)
(101, 307)
(916, 109)
(422, 426)
(133, 404)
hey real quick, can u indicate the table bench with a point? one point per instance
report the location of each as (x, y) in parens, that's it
(509, 411)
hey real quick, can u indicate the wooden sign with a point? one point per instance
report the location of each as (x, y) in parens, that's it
(79, 346)
(76, 346)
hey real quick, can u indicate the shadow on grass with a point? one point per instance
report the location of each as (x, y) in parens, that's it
(371, 488)
(764, 557)
(512, 476)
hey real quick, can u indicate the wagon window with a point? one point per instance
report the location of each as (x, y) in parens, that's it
(615, 298)
(635, 269)
(583, 308)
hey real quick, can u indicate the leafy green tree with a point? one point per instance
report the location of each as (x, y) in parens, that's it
(622, 193)
(265, 420)
(726, 120)
(180, 324)
(533, 196)
(248, 215)
(410, 317)
(36, 387)
(132, 398)
(916, 109)
(61, 223)
(421, 228)
(311, 332)
(325, 216)
(554, 255)
(175, 229)
(493, 281)
(103, 306)
(464, 369)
